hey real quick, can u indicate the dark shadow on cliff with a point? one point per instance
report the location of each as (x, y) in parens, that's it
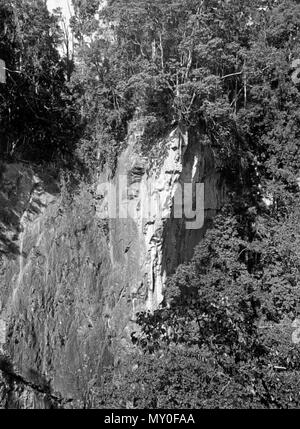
(179, 242)
(9, 229)
(14, 384)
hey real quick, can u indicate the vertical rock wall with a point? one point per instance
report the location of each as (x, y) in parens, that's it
(145, 248)
(70, 290)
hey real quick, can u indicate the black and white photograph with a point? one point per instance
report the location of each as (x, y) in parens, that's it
(149, 207)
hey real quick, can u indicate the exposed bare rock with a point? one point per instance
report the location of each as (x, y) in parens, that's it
(71, 284)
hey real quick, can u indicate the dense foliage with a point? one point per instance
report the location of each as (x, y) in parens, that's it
(37, 118)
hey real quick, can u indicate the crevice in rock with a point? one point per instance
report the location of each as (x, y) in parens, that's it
(11, 377)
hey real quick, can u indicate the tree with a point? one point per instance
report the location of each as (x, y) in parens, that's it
(37, 117)
(224, 337)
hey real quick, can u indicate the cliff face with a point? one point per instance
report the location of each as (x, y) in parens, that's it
(150, 244)
(71, 283)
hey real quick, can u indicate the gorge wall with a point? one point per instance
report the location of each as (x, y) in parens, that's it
(71, 283)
